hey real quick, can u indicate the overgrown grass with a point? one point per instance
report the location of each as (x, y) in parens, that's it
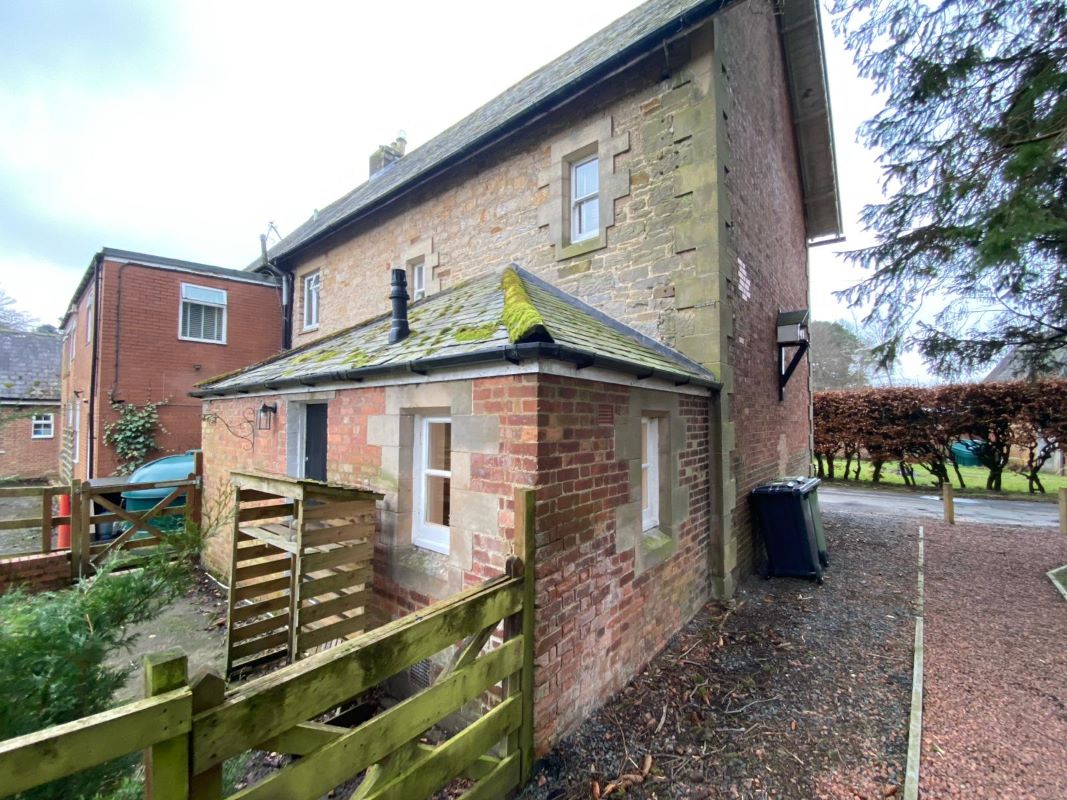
(973, 477)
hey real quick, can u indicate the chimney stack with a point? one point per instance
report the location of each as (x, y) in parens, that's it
(398, 294)
(386, 154)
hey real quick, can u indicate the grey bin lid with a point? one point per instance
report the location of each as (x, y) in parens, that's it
(795, 485)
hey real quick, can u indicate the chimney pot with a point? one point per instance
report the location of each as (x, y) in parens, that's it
(398, 294)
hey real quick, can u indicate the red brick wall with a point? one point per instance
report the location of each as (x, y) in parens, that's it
(768, 235)
(36, 573)
(598, 623)
(139, 312)
(22, 456)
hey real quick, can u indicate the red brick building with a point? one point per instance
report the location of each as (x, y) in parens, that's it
(29, 405)
(655, 190)
(144, 329)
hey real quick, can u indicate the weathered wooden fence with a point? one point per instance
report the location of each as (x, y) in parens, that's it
(300, 568)
(187, 732)
(140, 529)
(45, 522)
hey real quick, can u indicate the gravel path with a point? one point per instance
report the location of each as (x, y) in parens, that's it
(797, 691)
(995, 711)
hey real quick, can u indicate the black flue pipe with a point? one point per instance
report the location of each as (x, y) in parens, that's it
(398, 294)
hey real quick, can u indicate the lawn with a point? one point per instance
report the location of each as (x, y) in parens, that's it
(974, 477)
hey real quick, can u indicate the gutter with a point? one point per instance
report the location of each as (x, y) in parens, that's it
(94, 364)
(512, 353)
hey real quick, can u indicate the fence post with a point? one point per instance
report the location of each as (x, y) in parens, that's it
(1063, 511)
(526, 544)
(947, 495)
(76, 540)
(194, 500)
(209, 690)
(166, 765)
(46, 520)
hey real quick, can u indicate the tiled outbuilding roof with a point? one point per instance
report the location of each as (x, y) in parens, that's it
(507, 315)
(29, 365)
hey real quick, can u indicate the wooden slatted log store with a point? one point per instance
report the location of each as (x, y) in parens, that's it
(301, 568)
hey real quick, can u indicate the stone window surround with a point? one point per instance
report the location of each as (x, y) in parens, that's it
(422, 250)
(433, 574)
(318, 265)
(596, 139)
(656, 545)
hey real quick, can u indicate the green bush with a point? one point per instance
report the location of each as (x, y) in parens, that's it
(54, 649)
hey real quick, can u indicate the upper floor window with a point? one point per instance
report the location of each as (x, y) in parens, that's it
(417, 278)
(585, 199)
(312, 288)
(43, 426)
(89, 317)
(649, 473)
(72, 337)
(203, 314)
(432, 483)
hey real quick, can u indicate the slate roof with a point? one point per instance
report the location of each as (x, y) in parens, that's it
(29, 365)
(506, 315)
(639, 28)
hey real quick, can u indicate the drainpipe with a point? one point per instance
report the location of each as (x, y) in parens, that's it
(93, 368)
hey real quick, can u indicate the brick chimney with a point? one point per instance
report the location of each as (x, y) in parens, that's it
(386, 154)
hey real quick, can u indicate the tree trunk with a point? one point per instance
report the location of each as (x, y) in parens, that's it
(819, 470)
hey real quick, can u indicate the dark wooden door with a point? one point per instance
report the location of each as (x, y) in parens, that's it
(315, 442)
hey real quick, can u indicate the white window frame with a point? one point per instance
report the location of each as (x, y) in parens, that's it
(418, 278)
(43, 419)
(650, 472)
(224, 305)
(428, 535)
(72, 339)
(312, 300)
(578, 201)
(89, 316)
(75, 456)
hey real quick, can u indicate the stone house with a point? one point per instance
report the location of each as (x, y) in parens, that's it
(144, 329)
(597, 261)
(29, 404)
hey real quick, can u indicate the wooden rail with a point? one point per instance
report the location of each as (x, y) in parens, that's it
(187, 732)
(141, 527)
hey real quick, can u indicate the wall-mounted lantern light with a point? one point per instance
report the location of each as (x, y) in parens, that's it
(792, 332)
(265, 416)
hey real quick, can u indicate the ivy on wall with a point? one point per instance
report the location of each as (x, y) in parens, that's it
(133, 434)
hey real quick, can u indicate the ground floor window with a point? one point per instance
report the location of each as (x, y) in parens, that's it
(43, 426)
(431, 484)
(649, 473)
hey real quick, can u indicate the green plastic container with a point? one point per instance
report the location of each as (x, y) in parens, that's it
(168, 468)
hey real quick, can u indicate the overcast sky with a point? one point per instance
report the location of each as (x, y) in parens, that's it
(183, 128)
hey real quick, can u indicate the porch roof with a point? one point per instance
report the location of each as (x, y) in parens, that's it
(506, 315)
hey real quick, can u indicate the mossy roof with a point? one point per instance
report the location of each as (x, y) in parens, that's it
(481, 316)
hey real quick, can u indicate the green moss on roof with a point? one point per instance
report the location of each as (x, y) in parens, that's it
(520, 315)
(475, 333)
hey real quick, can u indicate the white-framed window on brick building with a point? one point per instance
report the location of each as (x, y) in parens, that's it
(74, 422)
(312, 292)
(203, 314)
(89, 316)
(585, 198)
(72, 337)
(432, 483)
(649, 473)
(44, 426)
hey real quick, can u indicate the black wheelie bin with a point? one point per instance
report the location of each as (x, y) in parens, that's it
(784, 511)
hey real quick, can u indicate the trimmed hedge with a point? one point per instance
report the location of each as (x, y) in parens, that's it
(910, 426)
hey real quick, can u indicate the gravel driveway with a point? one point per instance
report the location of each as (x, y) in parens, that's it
(995, 711)
(798, 691)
